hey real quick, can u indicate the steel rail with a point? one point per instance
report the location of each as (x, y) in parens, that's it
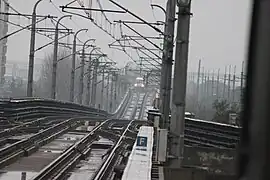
(21, 147)
(64, 162)
(143, 105)
(101, 173)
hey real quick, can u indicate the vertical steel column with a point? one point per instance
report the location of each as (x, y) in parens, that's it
(87, 101)
(73, 64)
(94, 86)
(111, 93)
(107, 93)
(212, 84)
(234, 79)
(102, 89)
(55, 55)
(167, 62)
(224, 82)
(81, 77)
(115, 91)
(81, 85)
(198, 86)
(217, 88)
(179, 87)
(32, 53)
(207, 87)
(229, 85)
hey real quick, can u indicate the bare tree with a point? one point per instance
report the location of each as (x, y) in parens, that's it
(43, 86)
(63, 77)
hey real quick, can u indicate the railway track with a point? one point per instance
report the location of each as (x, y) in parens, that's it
(198, 133)
(59, 168)
(26, 146)
(106, 169)
(140, 106)
(122, 132)
(57, 149)
(114, 164)
(63, 166)
(43, 146)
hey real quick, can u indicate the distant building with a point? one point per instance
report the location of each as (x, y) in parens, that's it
(3, 43)
(20, 70)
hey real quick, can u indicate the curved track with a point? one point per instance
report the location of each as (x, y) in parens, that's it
(63, 147)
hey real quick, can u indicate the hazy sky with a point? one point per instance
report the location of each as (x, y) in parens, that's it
(219, 30)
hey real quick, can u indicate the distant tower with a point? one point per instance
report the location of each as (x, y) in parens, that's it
(3, 44)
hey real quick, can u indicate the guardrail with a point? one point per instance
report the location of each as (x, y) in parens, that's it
(208, 134)
(213, 126)
(108, 164)
(19, 109)
(121, 108)
(13, 151)
(15, 109)
(142, 110)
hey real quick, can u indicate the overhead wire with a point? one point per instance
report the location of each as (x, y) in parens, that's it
(23, 28)
(137, 52)
(109, 33)
(63, 15)
(100, 27)
(19, 30)
(99, 4)
(13, 9)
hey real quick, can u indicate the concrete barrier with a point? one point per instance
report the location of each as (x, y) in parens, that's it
(213, 159)
(193, 174)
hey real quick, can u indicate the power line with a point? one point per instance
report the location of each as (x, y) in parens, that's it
(64, 14)
(28, 28)
(17, 31)
(94, 22)
(8, 4)
(22, 27)
(99, 4)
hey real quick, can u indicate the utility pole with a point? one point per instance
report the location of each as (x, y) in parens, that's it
(102, 88)
(177, 125)
(55, 55)
(224, 82)
(115, 90)
(95, 75)
(73, 64)
(212, 84)
(167, 61)
(87, 101)
(111, 93)
(107, 93)
(81, 85)
(94, 86)
(118, 85)
(208, 80)
(233, 98)
(205, 85)
(217, 88)
(198, 86)
(229, 85)
(126, 73)
(32, 52)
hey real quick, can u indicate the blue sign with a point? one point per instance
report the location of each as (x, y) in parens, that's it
(141, 141)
